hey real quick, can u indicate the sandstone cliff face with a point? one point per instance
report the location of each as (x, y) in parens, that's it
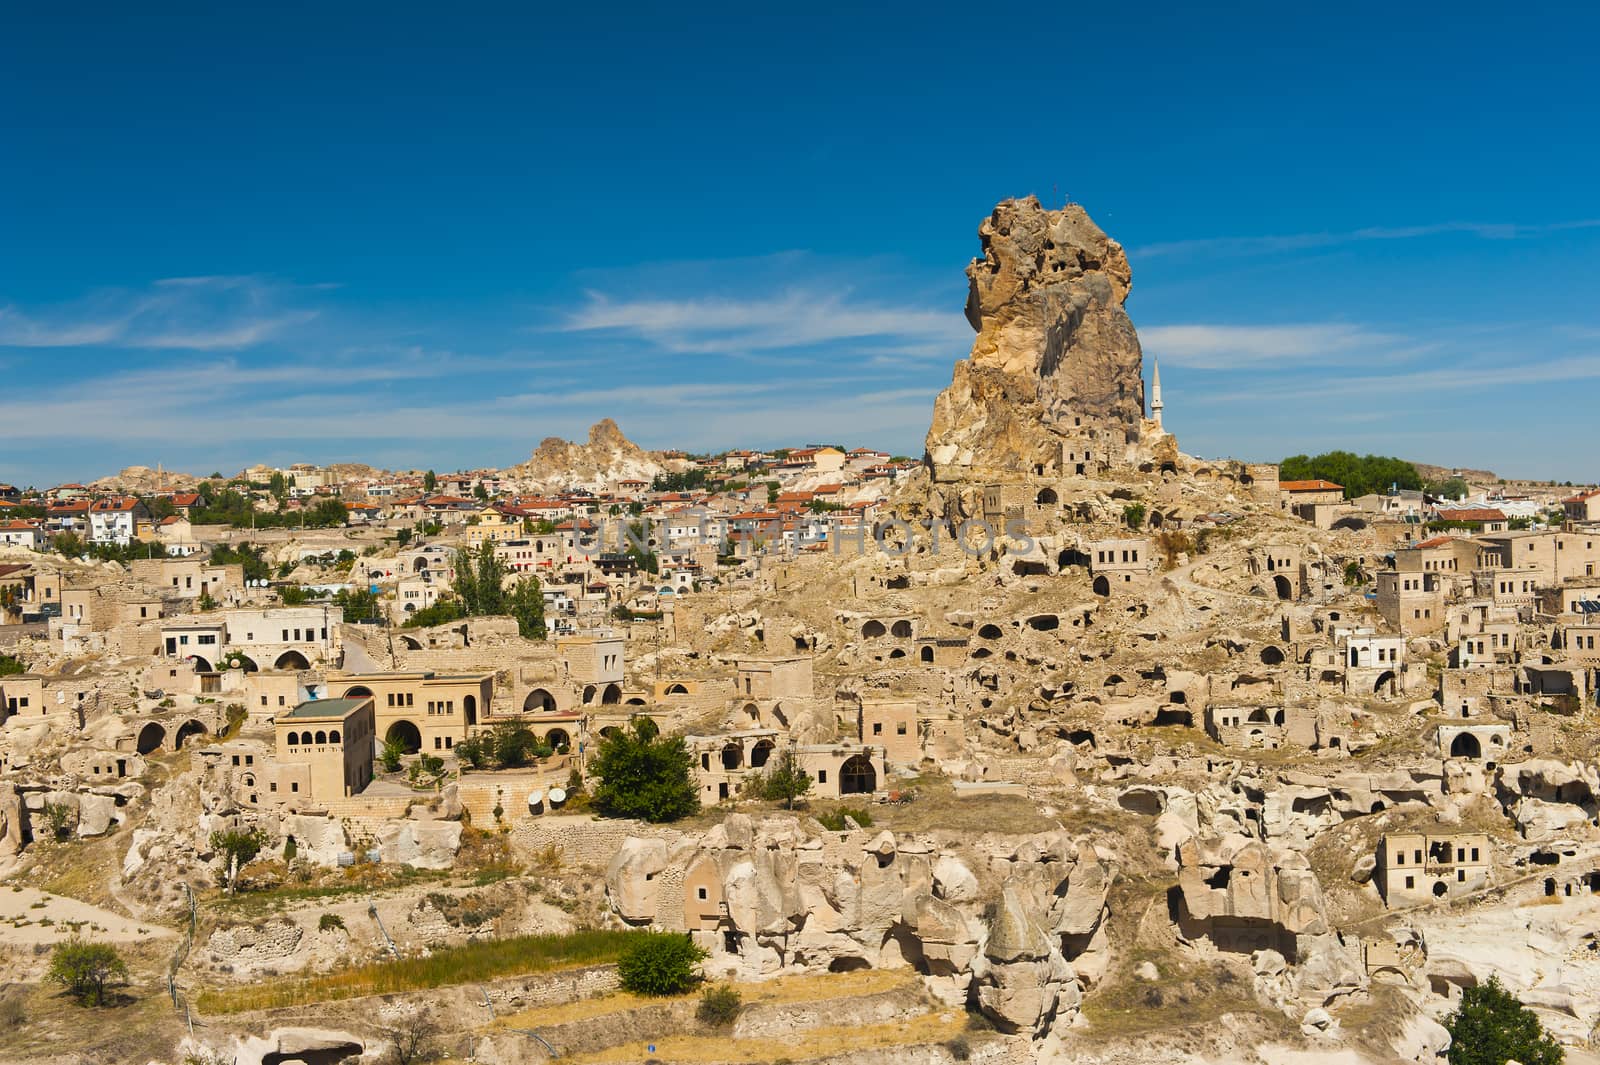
(1056, 358)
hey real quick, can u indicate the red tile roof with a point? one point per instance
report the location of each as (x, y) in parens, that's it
(1437, 541)
(1310, 486)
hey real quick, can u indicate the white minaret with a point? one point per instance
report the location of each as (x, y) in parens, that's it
(1155, 395)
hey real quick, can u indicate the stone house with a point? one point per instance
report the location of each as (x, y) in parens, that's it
(1414, 869)
(324, 752)
(1411, 603)
(1583, 507)
(115, 520)
(423, 711)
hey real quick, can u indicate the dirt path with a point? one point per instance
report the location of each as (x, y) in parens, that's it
(31, 916)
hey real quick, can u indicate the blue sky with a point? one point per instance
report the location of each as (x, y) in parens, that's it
(431, 236)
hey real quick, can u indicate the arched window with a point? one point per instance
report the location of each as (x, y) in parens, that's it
(293, 739)
(333, 737)
(322, 737)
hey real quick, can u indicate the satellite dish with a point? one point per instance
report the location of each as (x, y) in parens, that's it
(535, 799)
(557, 796)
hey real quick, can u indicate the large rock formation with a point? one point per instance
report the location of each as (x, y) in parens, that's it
(608, 456)
(1056, 361)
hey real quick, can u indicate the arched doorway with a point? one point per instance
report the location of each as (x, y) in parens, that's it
(857, 777)
(589, 692)
(902, 629)
(291, 660)
(873, 629)
(1047, 497)
(732, 756)
(1385, 682)
(200, 664)
(186, 730)
(357, 692)
(1466, 745)
(539, 701)
(753, 712)
(926, 654)
(1102, 587)
(612, 695)
(469, 706)
(1284, 588)
(677, 689)
(559, 740)
(760, 753)
(1271, 656)
(151, 737)
(406, 734)
(411, 643)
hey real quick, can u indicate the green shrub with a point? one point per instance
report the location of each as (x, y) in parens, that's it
(719, 1006)
(659, 963)
(834, 821)
(642, 774)
(329, 921)
(959, 1048)
(87, 969)
(1491, 1027)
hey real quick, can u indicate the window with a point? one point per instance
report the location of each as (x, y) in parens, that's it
(704, 894)
(273, 786)
(877, 728)
(294, 786)
(900, 728)
(1411, 881)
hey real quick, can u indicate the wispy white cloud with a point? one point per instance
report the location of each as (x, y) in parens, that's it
(1261, 245)
(792, 319)
(1208, 346)
(221, 313)
(1408, 390)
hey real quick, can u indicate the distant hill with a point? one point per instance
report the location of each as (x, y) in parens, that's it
(1440, 473)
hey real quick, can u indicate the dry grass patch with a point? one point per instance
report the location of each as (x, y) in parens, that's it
(800, 988)
(802, 1046)
(471, 962)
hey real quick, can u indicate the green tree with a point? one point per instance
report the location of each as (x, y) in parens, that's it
(293, 594)
(328, 514)
(358, 604)
(480, 493)
(390, 754)
(511, 743)
(772, 492)
(785, 780)
(1449, 488)
(660, 963)
(480, 581)
(402, 537)
(1359, 474)
(527, 606)
(10, 666)
(278, 485)
(644, 775)
(430, 481)
(441, 613)
(1133, 515)
(70, 545)
(1352, 574)
(247, 555)
(1491, 1027)
(87, 969)
(239, 847)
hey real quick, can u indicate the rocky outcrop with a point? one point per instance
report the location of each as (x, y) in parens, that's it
(606, 458)
(778, 897)
(1056, 359)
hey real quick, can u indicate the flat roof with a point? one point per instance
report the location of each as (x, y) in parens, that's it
(325, 708)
